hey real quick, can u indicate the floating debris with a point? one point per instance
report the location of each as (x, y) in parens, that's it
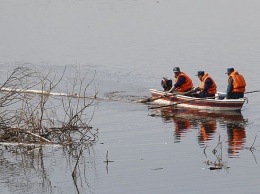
(157, 169)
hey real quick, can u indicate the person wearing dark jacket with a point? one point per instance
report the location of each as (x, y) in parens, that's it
(183, 83)
(236, 84)
(208, 87)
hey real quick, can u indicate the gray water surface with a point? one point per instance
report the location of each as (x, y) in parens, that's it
(132, 44)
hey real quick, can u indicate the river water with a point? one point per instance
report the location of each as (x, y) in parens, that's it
(131, 45)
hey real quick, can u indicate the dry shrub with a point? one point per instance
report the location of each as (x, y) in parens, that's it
(32, 111)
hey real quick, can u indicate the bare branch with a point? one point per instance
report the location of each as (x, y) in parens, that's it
(37, 113)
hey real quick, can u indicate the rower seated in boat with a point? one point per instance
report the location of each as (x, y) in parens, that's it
(208, 87)
(236, 85)
(183, 83)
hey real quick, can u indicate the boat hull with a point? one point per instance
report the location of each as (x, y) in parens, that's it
(197, 103)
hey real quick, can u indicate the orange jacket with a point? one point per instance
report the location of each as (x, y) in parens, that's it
(187, 85)
(213, 87)
(239, 83)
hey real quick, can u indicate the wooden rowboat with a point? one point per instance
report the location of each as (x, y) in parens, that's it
(212, 103)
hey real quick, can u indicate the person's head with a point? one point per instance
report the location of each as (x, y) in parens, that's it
(176, 71)
(230, 70)
(200, 74)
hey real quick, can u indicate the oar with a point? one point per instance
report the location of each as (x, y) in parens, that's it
(184, 101)
(151, 99)
(156, 107)
(252, 91)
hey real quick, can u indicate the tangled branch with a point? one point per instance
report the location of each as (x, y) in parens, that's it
(27, 117)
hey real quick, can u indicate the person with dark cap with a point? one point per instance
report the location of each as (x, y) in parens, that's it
(236, 84)
(183, 83)
(208, 87)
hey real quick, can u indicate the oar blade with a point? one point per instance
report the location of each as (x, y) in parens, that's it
(151, 99)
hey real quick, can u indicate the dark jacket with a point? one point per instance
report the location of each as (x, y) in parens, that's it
(233, 95)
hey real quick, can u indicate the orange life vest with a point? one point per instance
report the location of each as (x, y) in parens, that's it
(213, 87)
(187, 85)
(239, 83)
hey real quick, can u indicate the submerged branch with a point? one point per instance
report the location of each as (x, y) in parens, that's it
(35, 135)
(29, 118)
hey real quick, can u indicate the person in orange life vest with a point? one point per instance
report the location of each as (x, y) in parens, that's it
(207, 88)
(236, 84)
(183, 83)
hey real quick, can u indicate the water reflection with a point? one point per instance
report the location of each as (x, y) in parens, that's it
(31, 167)
(236, 138)
(207, 124)
(207, 129)
(182, 125)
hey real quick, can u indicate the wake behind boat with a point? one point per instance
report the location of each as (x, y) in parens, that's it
(212, 103)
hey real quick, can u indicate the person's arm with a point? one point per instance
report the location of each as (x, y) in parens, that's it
(229, 88)
(180, 81)
(171, 90)
(207, 85)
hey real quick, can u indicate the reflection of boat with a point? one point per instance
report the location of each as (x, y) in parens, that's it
(197, 103)
(192, 114)
(207, 122)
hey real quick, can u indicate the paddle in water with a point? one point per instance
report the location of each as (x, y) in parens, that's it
(153, 98)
